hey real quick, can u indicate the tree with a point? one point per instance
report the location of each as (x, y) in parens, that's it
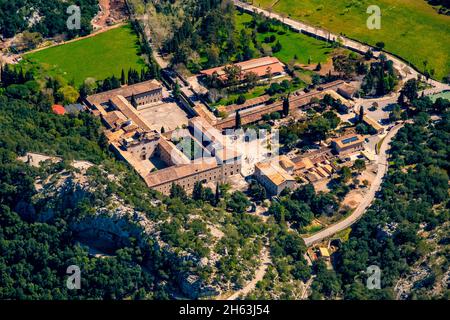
(177, 191)
(345, 174)
(380, 45)
(212, 54)
(217, 195)
(410, 90)
(395, 115)
(326, 281)
(401, 99)
(369, 54)
(176, 90)
(286, 105)
(298, 212)
(318, 67)
(122, 78)
(315, 79)
(359, 165)
(361, 115)
(133, 101)
(238, 202)
(277, 47)
(68, 94)
(238, 120)
(241, 99)
(233, 74)
(197, 193)
(251, 79)
(257, 191)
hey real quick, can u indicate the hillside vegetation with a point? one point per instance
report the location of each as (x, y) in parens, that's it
(48, 17)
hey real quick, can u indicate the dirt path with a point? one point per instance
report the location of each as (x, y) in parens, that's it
(306, 288)
(99, 21)
(259, 275)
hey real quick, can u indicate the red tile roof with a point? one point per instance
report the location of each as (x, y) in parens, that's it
(260, 66)
(58, 109)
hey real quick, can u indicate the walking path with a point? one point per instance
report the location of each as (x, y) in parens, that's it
(259, 275)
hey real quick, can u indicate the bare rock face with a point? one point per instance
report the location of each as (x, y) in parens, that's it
(193, 287)
(103, 222)
(106, 233)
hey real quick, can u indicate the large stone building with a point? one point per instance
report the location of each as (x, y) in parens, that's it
(133, 140)
(216, 164)
(144, 93)
(348, 144)
(275, 174)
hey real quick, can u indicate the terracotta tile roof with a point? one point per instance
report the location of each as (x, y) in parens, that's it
(286, 163)
(247, 104)
(170, 174)
(274, 172)
(371, 122)
(128, 110)
(58, 109)
(258, 66)
(348, 140)
(114, 118)
(125, 91)
(347, 89)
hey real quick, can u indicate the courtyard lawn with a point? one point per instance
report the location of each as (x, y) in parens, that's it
(231, 98)
(295, 46)
(411, 29)
(99, 57)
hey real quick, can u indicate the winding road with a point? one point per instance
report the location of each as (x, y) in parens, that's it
(405, 70)
(382, 165)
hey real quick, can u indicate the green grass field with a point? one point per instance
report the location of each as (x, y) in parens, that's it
(293, 44)
(411, 29)
(98, 57)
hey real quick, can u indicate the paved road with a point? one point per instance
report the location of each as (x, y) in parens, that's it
(406, 71)
(359, 211)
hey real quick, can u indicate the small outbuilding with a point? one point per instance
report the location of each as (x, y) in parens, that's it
(58, 109)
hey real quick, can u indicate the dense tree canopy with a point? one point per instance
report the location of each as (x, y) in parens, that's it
(48, 17)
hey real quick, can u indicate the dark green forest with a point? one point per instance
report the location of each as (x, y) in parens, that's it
(413, 198)
(15, 17)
